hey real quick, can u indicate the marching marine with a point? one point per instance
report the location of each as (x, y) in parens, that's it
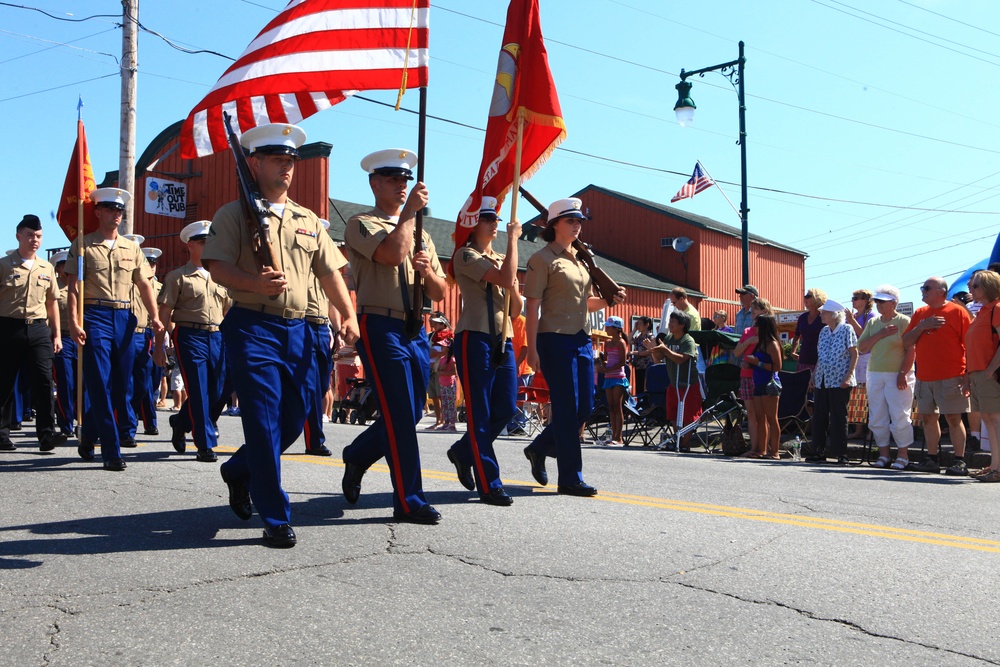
(111, 266)
(265, 331)
(384, 262)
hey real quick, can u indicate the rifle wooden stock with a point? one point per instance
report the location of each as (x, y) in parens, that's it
(605, 286)
(255, 206)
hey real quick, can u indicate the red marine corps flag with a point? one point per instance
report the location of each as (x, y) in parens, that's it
(313, 55)
(524, 96)
(71, 216)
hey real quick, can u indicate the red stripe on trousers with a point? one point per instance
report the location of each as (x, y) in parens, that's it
(386, 415)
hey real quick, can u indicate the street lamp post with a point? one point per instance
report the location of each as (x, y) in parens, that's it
(685, 116)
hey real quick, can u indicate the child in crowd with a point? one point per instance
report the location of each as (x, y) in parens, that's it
(447, 386)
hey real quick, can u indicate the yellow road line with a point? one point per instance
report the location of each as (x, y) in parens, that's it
(817, 523)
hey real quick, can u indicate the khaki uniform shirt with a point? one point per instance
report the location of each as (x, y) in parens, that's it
(319, 305)
(470, 266)
(562, 282)
(107, 274)
(303, 247)
(23, 291)
(138, 307)
(378, 284)
(194, 298)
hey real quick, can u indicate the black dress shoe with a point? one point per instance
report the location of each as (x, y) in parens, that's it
(16, 426)
(115, 465)
(815, 459)
(152, 430)
(176, 435)
(841, 461)
(281, 537)
(351, 484)
(497, 497)
(206, 456)
(86, 451)
(465, 477)
(127, 443)
(7, 446)
(578, 489)
(322, 450)
(426, 515)
(537, 466)
(239, 496)
(52, 441)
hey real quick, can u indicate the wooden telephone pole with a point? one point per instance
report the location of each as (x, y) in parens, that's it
(126, 160)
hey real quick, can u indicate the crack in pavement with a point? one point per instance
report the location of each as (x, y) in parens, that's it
(53, 643)
(728, 559)
(851, 625)
(465, 560)
(798, 504)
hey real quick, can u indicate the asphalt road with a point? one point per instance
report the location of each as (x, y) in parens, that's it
(681, 559)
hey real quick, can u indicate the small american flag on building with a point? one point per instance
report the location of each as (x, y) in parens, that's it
(313, 55)
(698, 182)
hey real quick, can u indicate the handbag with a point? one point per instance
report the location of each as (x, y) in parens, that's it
(773, 388)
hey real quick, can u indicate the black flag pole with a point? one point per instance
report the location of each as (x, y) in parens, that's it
(415, 317)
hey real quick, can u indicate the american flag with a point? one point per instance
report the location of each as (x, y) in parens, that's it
(698, 182)
(313, 55)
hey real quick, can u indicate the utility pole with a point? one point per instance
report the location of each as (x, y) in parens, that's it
(126, 160)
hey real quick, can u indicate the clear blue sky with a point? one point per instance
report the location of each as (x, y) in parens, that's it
(884, 102)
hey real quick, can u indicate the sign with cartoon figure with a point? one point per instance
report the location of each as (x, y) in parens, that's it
(165, 197)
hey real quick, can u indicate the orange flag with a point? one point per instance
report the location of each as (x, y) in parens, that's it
(78, 185)
(523, 87)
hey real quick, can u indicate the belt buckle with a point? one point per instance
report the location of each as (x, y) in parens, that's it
(288, 314)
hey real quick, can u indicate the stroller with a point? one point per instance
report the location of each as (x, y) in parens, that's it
(361, 400)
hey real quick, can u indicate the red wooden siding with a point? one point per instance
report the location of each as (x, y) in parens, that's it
(713, 262)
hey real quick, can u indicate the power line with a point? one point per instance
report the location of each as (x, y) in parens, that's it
(922, 32)
(56, 45)
(865, 222)
(901, 259)
(76, 83)
(56, 17)
(967, 25)
(901, 32)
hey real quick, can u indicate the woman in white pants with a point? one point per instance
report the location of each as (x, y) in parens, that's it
(890, 378)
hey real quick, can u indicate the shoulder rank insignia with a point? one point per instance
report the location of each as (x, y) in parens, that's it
(468, 256)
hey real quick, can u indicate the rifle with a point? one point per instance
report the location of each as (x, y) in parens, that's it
(255, 206)
(605, 286)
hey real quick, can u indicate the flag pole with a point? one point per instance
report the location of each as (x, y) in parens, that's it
(513, 216)
(416, 308)
(81, 185)
(738, 214)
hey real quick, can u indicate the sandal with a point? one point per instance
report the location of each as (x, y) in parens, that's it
(750, 455)
(772, 457)
(991, 476)
(881, 462)
(900, 464)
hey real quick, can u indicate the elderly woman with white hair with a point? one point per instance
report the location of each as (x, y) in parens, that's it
(833, 377)
(890, 378)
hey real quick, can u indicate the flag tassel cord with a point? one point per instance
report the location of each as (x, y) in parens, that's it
(406, 59)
